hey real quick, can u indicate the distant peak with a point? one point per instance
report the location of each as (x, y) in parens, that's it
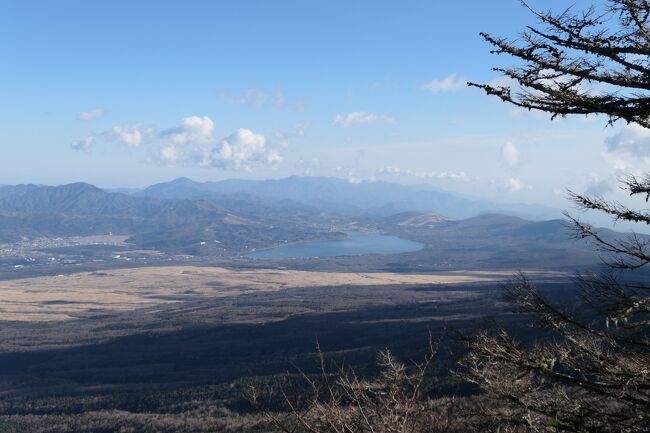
(183, 180)
(80, 186)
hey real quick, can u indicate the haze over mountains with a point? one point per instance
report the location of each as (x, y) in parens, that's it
(81, 209)
(229, 218)
(341, 196)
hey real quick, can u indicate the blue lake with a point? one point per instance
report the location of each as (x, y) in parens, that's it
(356, 244)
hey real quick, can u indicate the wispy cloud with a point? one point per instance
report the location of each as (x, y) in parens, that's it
(457, 176)
(83, 144)
(298, 131)
(514, 185)
(510, 154)
(361, 117)
(95, 113)
(451, 83)
(272, 100)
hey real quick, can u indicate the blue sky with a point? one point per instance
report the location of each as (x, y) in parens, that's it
(125, 93)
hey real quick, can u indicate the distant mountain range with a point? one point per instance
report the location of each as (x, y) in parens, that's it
(28, 211)
(234, 216)
(342, 197)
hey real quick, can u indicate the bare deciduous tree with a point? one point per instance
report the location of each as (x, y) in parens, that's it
(589, 371)
(341, 402)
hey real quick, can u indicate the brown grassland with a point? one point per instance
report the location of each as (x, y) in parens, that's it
(66, 297)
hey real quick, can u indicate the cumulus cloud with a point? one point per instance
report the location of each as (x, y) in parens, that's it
(193, 142)
(193, 129)
(244, 149)
(510, 154)
(84, 144)
(360, 117)
(95, 113)
(131, 135)
(632, 139)
(457, 176)
(451, 83)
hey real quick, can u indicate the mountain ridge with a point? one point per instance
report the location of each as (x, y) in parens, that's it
(336, 195)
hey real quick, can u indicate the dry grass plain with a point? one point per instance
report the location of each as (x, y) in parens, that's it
(65, 297)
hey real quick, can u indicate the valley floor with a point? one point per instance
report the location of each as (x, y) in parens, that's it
(91, 294)
(155, 349)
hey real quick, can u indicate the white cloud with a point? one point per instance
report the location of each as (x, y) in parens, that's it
(193, 129)
(273, 158)
(242, 150)
(95, 113)
(451, 83)
(168, 154)
(255, 98)
(514, 185)
(632, 140)
(193, 143)
(131, 135)
(272, 100)
(503, 81)
(360, 117)
(301, 129)
(457, 176)
(298, 131)
(510, 154)
(83, 144)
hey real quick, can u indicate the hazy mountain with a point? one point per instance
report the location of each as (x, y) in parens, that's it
(497, 241)
(343, 197)
(180, 224)
(15, 190)
(74, 199)
(229, 217)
